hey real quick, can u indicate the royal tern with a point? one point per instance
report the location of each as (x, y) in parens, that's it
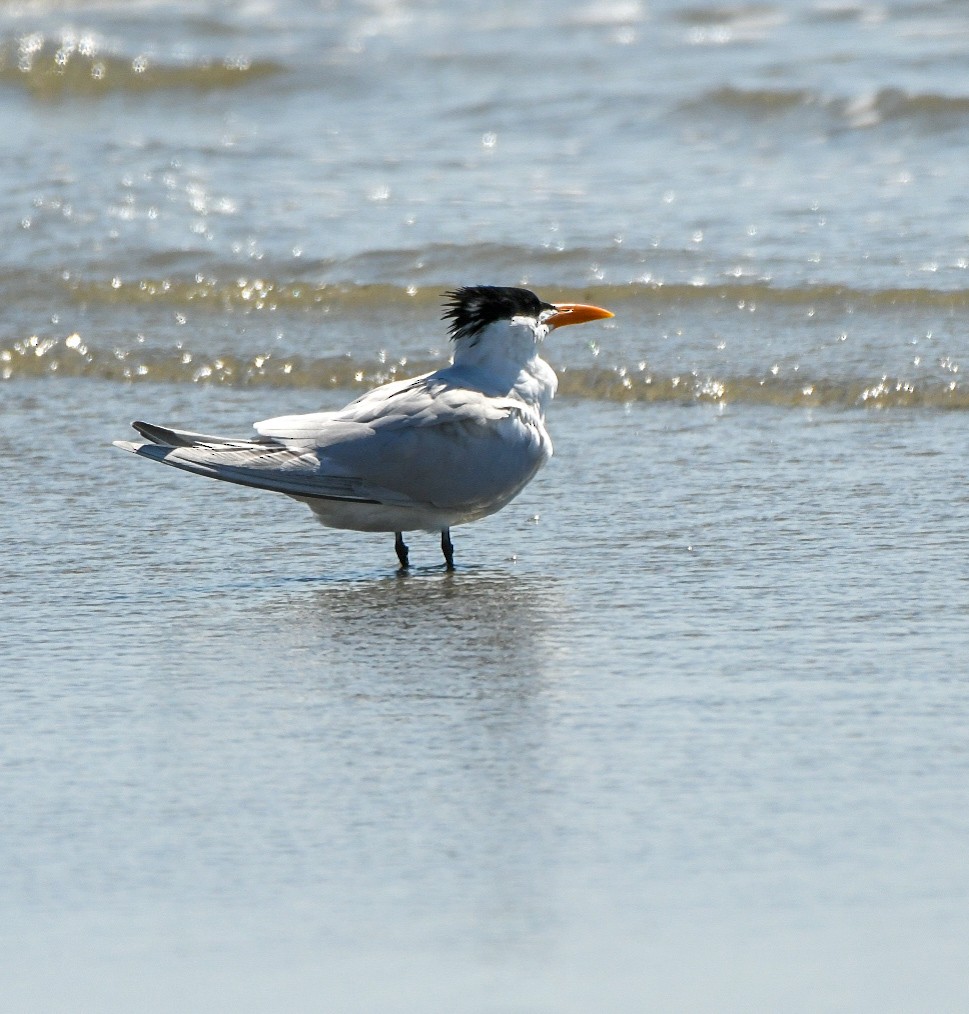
(424, 454)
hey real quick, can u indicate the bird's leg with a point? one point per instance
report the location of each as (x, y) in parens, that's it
(401, 548)
(447, 548)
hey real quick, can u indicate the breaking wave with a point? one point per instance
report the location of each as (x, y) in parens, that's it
(82, 65)
(885, 105)
(253, 292)
(37, 357)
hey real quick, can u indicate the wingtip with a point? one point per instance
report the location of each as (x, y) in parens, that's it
(126, 445)
(140, 428)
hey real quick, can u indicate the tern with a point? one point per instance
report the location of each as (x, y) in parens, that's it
(424, 454)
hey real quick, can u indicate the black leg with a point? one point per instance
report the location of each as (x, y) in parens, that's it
(401, 548)
(447, 548)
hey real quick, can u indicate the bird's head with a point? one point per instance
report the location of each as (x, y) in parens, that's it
(473, 309)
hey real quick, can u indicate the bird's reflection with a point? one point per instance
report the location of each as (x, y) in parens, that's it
(453, 674)
(481, 625)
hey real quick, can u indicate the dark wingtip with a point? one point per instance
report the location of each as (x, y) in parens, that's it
(156, 434)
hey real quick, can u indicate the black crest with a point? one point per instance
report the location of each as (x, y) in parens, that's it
(474, 307)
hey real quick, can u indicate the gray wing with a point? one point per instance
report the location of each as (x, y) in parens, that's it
(448, 446)
(262, 464)
(411, 443)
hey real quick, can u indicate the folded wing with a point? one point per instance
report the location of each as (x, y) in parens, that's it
(412, 443)
(257, 463)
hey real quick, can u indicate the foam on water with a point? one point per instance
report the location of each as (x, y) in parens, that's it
(724, 343)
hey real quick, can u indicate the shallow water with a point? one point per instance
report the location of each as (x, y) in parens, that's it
(686, 729)
(772, 196)
(723, 729)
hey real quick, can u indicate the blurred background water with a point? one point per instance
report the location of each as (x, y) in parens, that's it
(686, 730)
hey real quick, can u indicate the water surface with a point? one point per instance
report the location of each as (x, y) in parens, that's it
(686, 729)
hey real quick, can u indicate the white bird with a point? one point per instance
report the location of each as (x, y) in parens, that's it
(425, 454)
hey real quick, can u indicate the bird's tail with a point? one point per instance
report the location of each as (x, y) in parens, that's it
(262, 463)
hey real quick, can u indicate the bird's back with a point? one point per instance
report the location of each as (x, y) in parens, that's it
(435, 440)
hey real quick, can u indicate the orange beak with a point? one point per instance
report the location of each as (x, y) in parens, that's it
(576, 313)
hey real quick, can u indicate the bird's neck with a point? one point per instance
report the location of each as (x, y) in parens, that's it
(504, 361)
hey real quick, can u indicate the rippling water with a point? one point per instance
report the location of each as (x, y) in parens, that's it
(686, 728)
(767, 193)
